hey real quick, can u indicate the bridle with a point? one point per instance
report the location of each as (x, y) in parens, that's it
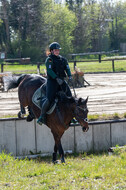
(84, 110)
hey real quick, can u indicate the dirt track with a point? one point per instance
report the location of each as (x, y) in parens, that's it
(107, 94)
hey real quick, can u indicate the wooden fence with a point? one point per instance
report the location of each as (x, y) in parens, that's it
(20, 138)
(103, 60)
(71, 61)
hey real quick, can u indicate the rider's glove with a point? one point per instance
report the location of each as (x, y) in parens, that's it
(59, 81)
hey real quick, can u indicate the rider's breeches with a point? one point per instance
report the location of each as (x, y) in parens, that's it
(53, 87)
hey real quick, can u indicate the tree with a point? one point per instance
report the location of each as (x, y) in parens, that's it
(60, 23)
(5, 35)
(25, 18)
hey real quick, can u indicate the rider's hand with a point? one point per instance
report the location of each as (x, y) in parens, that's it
(59, 81)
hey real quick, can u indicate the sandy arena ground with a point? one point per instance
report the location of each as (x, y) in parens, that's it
(107, 94)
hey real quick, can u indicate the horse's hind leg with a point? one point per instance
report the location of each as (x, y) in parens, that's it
(31, 115)
(22, 112)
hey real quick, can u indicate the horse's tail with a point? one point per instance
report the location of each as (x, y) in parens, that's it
(12, 81)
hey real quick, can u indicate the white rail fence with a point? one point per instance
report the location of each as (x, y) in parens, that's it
(19, 137)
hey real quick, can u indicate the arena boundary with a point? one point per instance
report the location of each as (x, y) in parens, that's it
(20, 138)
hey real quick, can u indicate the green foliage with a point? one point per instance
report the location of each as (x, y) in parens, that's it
(79, 26)
(61, 22)
(93, 117)
(124, 115)
(116, 116)
(119, 150)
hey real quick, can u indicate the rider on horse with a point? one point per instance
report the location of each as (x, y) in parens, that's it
(57, 68)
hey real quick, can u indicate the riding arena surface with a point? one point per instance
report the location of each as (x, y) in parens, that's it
(107, 94)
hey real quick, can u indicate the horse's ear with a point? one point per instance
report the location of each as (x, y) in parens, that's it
(86, 100)
(80, 101)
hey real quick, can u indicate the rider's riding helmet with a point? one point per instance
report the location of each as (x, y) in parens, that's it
(54, 45)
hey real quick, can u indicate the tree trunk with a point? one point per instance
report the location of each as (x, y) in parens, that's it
(6, 21)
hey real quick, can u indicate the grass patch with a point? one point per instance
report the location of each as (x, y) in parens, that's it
(8, 116)
(94, 117)
(23, 69)
(86, 67)
(106, 66)
(104, 116)
(116, 116)
(98, 171)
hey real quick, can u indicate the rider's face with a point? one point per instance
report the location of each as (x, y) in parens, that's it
(56, 52)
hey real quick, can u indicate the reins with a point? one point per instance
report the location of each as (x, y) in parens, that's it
(74, 89)
(75, 95)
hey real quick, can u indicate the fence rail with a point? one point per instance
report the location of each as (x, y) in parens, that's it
(104, 60)
(70, 61)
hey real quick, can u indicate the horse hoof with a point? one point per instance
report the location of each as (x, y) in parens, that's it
(29, 118)
(19, 114)
(62, 160)
(22, 115)
(56, 162)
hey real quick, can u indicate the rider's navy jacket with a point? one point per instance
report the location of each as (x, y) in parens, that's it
(57, 66)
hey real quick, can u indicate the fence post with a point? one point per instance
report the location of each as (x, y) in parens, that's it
(113, 67)
(74, 64)
(75, 145)
(2, 67)
(99, 57)
(38, 68)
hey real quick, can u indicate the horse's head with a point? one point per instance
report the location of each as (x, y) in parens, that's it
(81, 112)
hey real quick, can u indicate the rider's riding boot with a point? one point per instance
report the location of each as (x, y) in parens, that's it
(74, 120)
(42, 118)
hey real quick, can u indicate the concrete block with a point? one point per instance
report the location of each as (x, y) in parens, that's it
(118, 134)
(44, 140)
(83, 140)
(67, 139)
(8, 137)
(101, 137)
(25, 132)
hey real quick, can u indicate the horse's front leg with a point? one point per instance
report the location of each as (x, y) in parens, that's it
(58, 147)
(61, 152)
(54, 159)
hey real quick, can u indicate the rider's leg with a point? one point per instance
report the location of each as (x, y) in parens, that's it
(51, 90)
(45, 107)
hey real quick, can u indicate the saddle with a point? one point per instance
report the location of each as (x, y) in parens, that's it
(39, 98)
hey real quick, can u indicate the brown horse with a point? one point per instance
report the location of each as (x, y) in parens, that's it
(59, 120)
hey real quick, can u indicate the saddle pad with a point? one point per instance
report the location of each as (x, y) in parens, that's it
(39, 96)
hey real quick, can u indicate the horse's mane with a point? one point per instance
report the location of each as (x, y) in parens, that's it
(64, 99)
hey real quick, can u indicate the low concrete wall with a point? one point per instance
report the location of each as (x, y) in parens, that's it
(20, 137)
